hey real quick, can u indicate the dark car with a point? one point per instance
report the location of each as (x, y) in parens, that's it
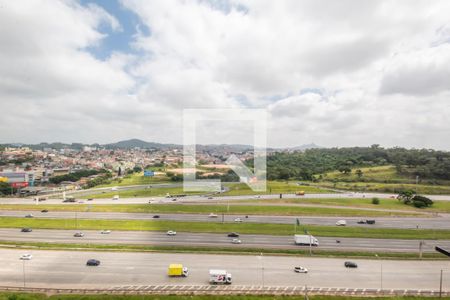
(371, 222)
(44, 211)
(90, 199)
(93, 262)
(156, 217)
(233, 234)
(78, 234)
(26, 230)
(350, 264)
(69, 200)
(362, 222)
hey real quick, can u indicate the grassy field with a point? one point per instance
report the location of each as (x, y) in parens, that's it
(387, 187)
(216, 208)
(273, 187)
(217, 227)
(30, 296)
(136, 179)
(148, 192)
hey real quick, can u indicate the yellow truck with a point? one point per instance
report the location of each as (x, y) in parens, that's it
(177, 270)
(300, 193)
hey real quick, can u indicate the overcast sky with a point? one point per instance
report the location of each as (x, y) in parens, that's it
(336, 73)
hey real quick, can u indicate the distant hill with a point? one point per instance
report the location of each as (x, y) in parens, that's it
(305, 147)
(136, 143)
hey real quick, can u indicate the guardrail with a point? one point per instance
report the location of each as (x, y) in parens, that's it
(229, 289)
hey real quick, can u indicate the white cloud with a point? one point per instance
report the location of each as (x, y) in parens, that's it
(382, 69)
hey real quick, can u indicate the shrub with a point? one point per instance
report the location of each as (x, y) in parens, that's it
(375, 201)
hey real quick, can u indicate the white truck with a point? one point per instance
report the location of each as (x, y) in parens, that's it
(304, 239)
(219, 276)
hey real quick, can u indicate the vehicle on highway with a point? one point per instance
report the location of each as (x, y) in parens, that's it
(239, 220)
(78, 234)
(114, 188)
(156, 217)
(177, 270)
(90, 199)
(44, 211)
(300, 193)
(174, 199)
(371, 222)
(93, 262)
(236, 241)
(219, 276)
(171, 233)
(341, 223)
(29, 216)
(210, 198)
(26, 230)
(81, 201)
(69, 199)
(306, 240)
(105, 231)
(212, 215)
(350, 264)
(26, 257)
(257, 197)
(300, 269)
(116, 197)
(233, 234)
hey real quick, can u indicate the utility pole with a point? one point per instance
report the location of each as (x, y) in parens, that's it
(310, 244)
(440, 286)
(420, 249)
(417, 182)
(23, 269)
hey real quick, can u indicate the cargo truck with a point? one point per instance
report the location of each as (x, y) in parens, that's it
(177, 270)
(304, 239)
(219, 276)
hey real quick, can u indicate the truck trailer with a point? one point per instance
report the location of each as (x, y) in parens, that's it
(304, 239)
(219, 276)
(177, 270)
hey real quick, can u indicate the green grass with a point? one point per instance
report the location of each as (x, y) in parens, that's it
(216, 208)
(273, 187)
(150, 192)
(33, 296)
(136, 179)
(217, 227)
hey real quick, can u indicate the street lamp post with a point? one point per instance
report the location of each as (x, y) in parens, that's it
(262, 268)
(23, 269)
(381, 271)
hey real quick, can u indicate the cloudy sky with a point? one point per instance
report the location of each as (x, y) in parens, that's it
(336, 73)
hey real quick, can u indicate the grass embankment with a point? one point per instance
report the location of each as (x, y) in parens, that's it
(147, 192)
(273, 187)
(216, 208)
(137, 179)
(301, 251)
(32, 296)
(210, 227)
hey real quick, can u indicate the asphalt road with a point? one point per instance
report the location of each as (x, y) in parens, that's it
(67, 269)
(441, 222)
(215, 240)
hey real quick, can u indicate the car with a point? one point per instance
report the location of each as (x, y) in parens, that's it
(93, 262)
(350, 264)
(212, 215)
(29, 216)
(233, 234)
(156, 217)
(81, 202)
(69, 200)
(44, 211)
(300, 269)
(78, 234)
(257, 197)
(90, 199)
(370, 222)
(236, 241)
(362, 222)
(26, 230)
(210, 198)
(174, 199)
(341, 223)
(238, 220)
(171, 233)
(26, 257)
(105, 231)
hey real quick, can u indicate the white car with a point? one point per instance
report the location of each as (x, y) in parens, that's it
(26, 256)
(105, 231)
(171, 233)
(341, 223)
(300, 270)
(212, 215)
(236, 241)
(257, 197)
(29, 216)
(238, 220)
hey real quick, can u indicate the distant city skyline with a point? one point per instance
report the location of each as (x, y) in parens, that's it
(333, 73)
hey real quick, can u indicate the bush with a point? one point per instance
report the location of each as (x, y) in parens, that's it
(419, 204)
(375, 201)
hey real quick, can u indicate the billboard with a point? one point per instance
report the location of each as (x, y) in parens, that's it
(149, 173)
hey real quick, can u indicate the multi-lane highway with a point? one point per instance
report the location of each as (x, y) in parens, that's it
(441, 222)
(217, 240)
(68, 269)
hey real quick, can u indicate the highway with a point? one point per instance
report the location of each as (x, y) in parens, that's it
(441, 222)
(67, 269)
(214, 240)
